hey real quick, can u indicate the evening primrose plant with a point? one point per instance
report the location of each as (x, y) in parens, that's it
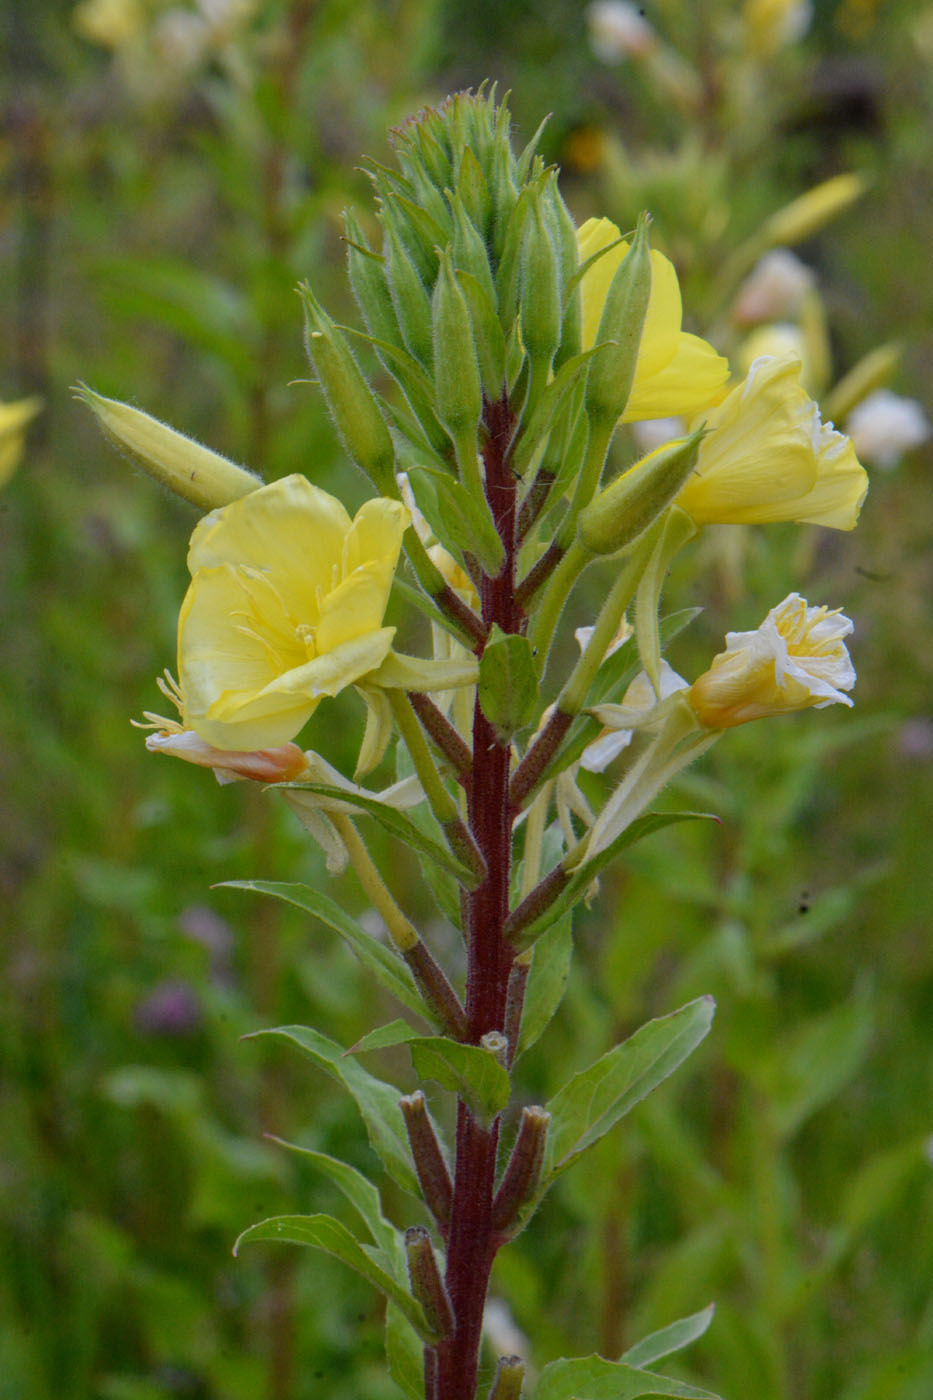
(513, 345)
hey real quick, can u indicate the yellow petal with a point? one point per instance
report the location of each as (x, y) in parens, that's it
(696, 377)
(841, 485)
(661, 331)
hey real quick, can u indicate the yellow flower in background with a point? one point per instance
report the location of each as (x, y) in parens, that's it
(676, 373)
(770, 24)
(14, 420)
(768, 457)
(796, 659)
(111, 23)
(285, 606)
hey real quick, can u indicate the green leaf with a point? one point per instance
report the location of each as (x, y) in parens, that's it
(584, 873)
(508, 683)
(674, 1337)
(384, 1037)
(395, 822)
(593, 1378)
(376, 1100)
(468, 1070)
(547, 980)
(327, 1234)
(404, 1353)
(460, 522)
(816, 1060)
(386, 966)
(363, 1195)
(594, 1100)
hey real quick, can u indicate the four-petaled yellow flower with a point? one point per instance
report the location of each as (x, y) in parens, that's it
(796, 659)
(768, 457)
(285, 606)
(676, 374)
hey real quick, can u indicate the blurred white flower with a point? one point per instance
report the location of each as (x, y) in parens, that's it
(501, 1332)
(618, 30)
(775, 288)
(884, 426)
(652, 433)
(181, 38)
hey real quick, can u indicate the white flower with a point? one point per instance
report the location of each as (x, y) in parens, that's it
(775, 289)
(884, 426)
(637, 704)
(618, 30)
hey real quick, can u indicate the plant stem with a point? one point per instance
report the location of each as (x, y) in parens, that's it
(472, 1242)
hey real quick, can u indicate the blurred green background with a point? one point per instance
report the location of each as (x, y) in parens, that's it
(168, 172)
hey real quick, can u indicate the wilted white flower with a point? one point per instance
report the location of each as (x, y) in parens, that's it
(884, 426)
(775, 289)
(618, 30)
(639, 700)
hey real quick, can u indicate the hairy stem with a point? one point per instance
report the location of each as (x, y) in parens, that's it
(472, 1241)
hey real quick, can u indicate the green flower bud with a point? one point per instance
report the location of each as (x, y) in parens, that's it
(459, 394)
(564, 233)
(353, 405)
(540, 289)
(612, 372)
(178, 462)
(370, 288)
(469, 247)
(409, 295)
(473, 187)
(625, 508)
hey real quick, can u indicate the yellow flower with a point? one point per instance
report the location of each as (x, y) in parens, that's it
(285, 606)
(676, 373)
(795, 660)
(111, 23)
(14, 419)
(768, 457)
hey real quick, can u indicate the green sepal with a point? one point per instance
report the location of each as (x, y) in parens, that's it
(376, 1100)
(678, 529)
(468, 248)
(386, 966)
(539, 289)
(458, 392)
(379, 730)
(325, 1233)
(472, 187)
(401, 672)
(487, 330)
(469, 1071)
(458, 519)
(549, 406)
(508, 683)
(409, 298)
(610, 379)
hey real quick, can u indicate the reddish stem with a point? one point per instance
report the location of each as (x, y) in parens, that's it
(472, 1242)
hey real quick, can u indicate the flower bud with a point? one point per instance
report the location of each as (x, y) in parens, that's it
(190, 470)
(352, 403)
(611, 373)
(459, 394)
(873, 371)
(539, 281)
(510, 1379)
(628, 505)
(807, 214)
(427, 1286)
(368, 280)
(409, 295)
(524, 1170)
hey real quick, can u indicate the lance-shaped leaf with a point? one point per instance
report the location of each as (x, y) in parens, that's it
(395, 822)
(327, 1234)
(376, 1100)
(365, 1199)
(582, 875)
(593, 1378)
(667, 1340)
(508, 683)
(460, 521)
(404, 1353)
(547, 981)
(388, 969)
(594, 1100)
(384, 1037)
(467, 1070)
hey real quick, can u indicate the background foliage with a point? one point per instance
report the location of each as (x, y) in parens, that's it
(157, 207)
